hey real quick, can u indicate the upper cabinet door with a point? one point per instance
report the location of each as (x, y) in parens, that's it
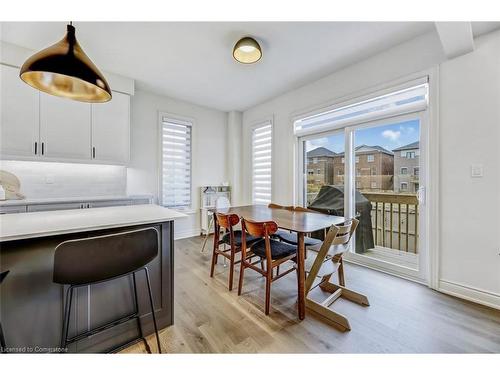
(19, 115)
(64, 128)
(111, 129)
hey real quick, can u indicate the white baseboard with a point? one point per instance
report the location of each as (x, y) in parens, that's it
(469, 293)
(192, 232)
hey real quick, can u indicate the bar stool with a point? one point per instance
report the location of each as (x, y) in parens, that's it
(3, 346)
(87, 261)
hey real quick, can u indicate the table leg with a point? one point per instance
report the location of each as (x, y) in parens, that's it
(301, 276)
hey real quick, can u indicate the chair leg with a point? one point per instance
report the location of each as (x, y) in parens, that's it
(3, 346)
(214, 259)
(66, 317)
(269, 278)
(152, 309)
(341, 273)
(139, 325)
(231, 269)
(210, 223)
(242, 271)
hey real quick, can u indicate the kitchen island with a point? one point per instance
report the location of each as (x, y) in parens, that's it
(31, 305)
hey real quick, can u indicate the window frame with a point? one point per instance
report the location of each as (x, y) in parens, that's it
(401, 171)
(183, 120)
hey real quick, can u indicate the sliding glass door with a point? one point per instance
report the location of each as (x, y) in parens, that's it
(388, 181)
(371, 165)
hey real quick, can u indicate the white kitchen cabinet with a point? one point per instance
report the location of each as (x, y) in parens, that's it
(65, 128)
(111, 130)
(19, 107)
(38, 126)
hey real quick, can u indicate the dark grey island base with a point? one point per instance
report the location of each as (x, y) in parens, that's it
(31, 305)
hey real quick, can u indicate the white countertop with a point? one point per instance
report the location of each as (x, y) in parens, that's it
(49, 223)
(30, 201)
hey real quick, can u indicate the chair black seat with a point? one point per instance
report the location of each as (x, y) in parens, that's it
(291, 238)
(278, 249)
(237, 238)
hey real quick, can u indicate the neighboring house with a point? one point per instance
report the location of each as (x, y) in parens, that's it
(320, 166)
(406, 168)
(374, 168)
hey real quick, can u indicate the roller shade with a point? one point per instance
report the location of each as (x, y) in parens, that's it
(262, 140)
(176, 163)
(408, 100)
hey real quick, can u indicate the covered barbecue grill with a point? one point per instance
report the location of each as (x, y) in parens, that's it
(330, 200)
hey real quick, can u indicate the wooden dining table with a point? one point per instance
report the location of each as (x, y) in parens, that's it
(301, 223)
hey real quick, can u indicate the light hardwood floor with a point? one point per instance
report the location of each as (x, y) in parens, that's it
(404, 317)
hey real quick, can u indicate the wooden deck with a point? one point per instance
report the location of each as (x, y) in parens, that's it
(404, 317)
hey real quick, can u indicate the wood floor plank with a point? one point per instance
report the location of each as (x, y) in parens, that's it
(403, 317)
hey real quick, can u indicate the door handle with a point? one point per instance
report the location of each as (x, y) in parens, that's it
(421, 195)
(93, 152)
(42, 148)
(36, 147)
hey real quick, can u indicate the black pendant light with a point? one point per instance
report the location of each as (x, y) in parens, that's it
(63, 69)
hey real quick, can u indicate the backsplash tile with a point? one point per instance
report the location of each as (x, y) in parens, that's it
(62, 180)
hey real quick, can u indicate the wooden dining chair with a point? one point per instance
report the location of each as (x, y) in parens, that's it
(326, 262)
(279, 206)
(231, 237)
(272, 252)
(291, 237)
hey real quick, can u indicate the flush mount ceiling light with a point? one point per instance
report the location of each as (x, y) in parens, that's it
(247, 51)
(63, 69)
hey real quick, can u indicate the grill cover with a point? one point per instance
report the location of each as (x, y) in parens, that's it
(330, 200)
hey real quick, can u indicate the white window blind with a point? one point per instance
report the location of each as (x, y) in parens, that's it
(404, 101)
(176, 163)
(262, 139)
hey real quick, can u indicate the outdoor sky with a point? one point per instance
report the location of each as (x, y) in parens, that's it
(388, 136)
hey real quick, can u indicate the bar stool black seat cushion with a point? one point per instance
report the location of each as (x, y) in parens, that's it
(278, 249)
(291, 238)
(237, 238)
(3, 275)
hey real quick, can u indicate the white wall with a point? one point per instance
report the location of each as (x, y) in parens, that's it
(209, 150)
(233, 157)
(469, 97)
(470, 207)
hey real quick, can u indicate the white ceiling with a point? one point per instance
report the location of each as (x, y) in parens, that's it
(193, 61)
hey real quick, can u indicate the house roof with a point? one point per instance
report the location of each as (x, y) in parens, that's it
(409, 146)
(366, 148)
(320, 151)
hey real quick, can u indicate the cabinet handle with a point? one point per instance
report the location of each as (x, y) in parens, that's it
(42, 148)
(36, 147)
(93, 152)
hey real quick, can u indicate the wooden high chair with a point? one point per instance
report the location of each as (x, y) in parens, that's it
(328, 261)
